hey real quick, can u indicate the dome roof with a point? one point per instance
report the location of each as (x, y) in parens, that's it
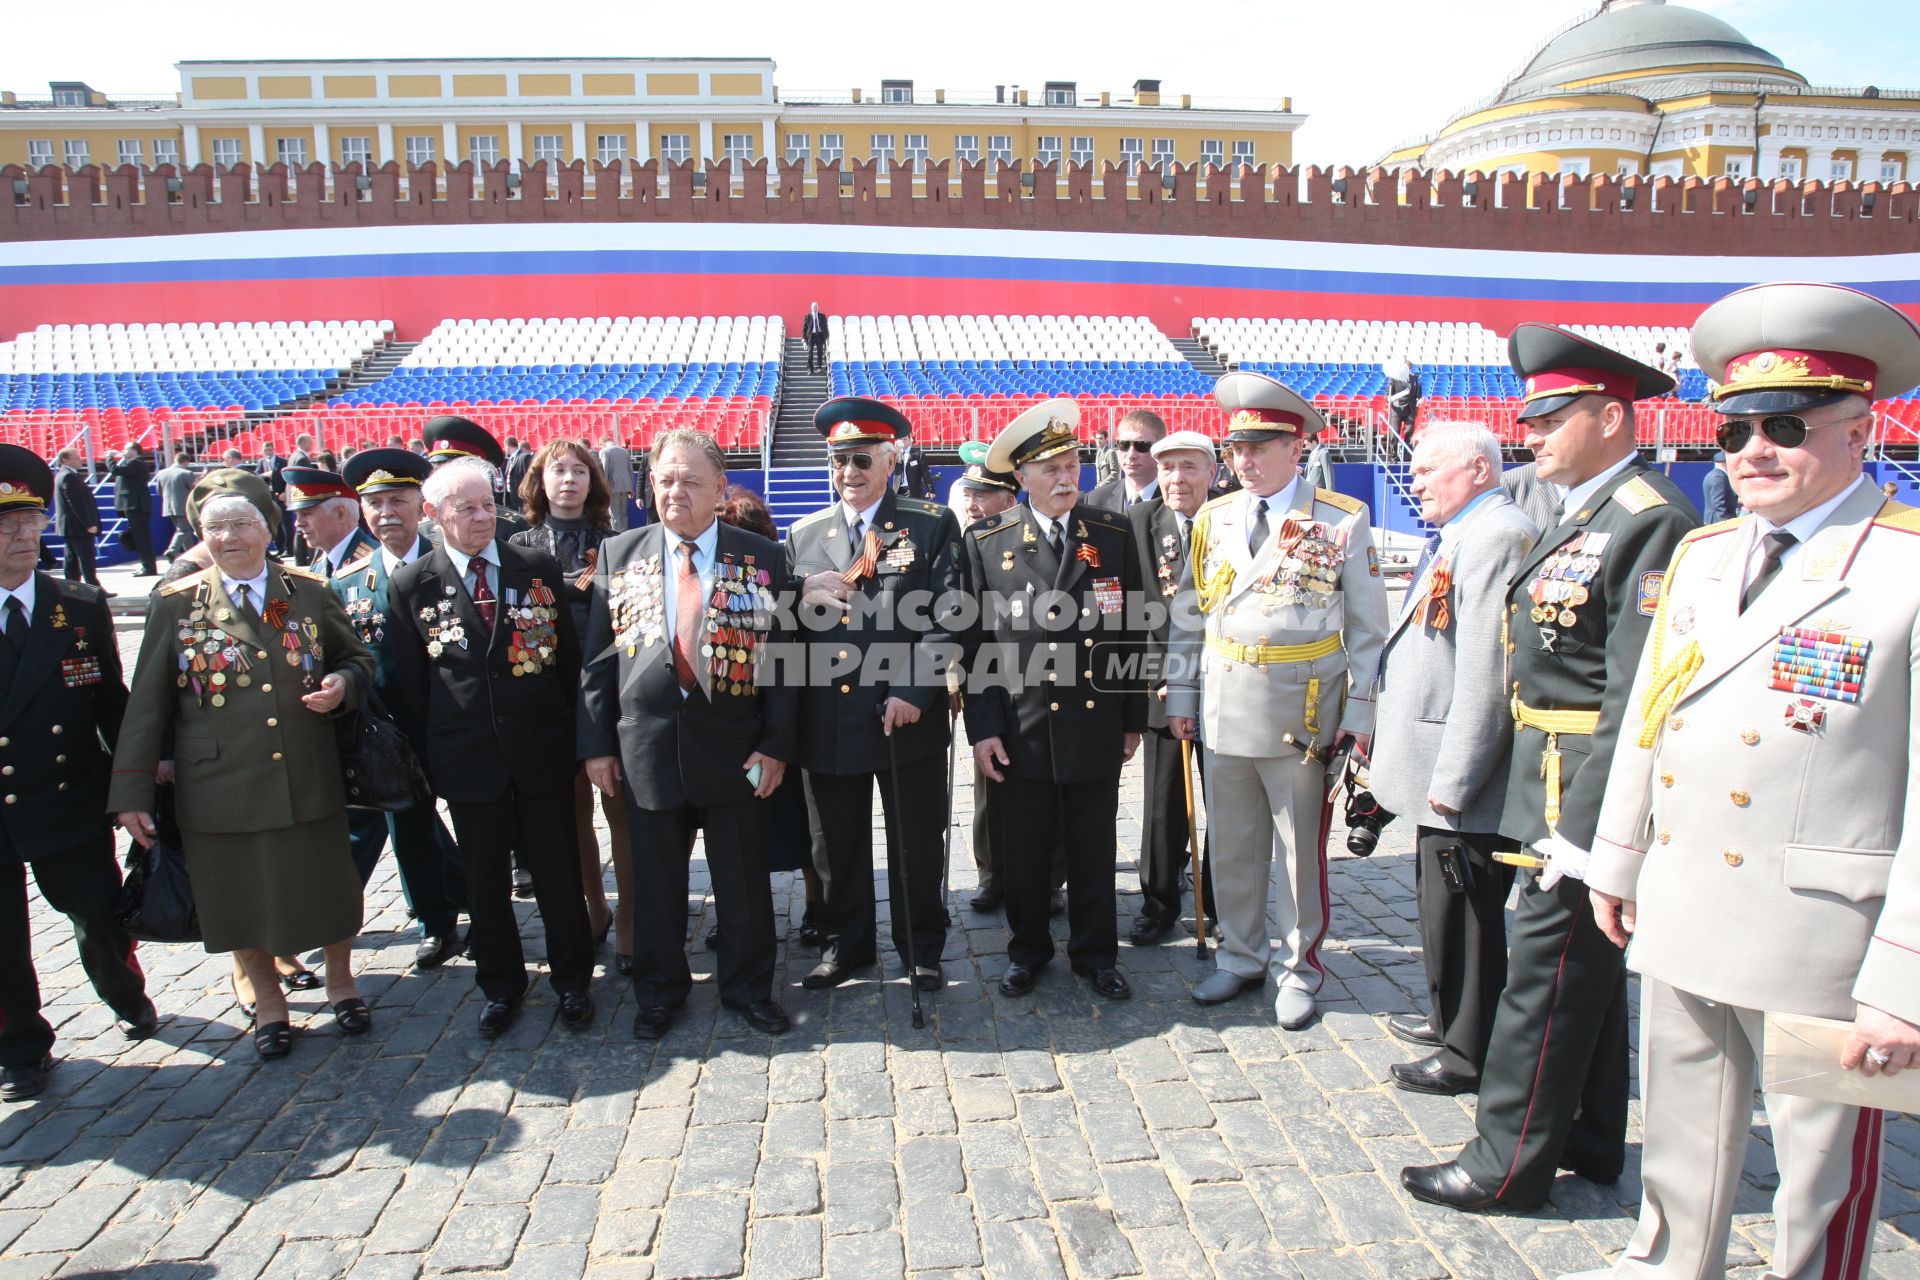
(1639, 35)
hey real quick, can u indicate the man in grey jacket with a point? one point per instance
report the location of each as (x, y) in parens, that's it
(174, 484)
(1444, 736)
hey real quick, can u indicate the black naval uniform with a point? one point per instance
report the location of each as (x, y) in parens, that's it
(61, 699)
(840, 740)
(1553, 1092)
(1062, 735)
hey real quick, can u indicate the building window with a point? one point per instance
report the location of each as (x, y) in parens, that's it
(966, 146)
(1243, 152)
(798, 150)
(356, 149)
(677, 148)
(1000, 147)
(1575, 167)
(39, 152)
(1162, 151)
(166, 151)
(833, 148)
(1891, 171)
(1213, 151)
(608, 147)
(1628, 168)
(1131, 152)
(1082, 152)
(69, 98)
(76, 153)
(130, 151)
(226, 152)
(291, 152)
(419, 149)
(1062, 95)
(1842, 171)
(1790, 168)
(1736, 168)
(900, 91)
(550, 147)
(882, 152)
(736, 148)
(1047, 149)
(483, 148)
(914, 151)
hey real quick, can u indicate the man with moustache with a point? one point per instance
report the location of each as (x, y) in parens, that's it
(1136, 478)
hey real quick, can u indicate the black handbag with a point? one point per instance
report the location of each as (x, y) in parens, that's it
(156, 900)
(377, 764)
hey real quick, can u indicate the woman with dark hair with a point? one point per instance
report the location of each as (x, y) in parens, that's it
(789, 829)
(568, 506)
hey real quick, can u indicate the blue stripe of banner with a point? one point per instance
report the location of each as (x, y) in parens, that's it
(931, 266)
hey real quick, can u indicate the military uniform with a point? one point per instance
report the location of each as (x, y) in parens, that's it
(1273, 650)
(61, 702)
(450, 436)
(1760, 810)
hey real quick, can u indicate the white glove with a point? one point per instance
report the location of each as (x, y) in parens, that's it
(1563, 860)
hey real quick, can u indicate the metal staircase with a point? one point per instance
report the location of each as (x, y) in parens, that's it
(796, 477)
(1199, 357)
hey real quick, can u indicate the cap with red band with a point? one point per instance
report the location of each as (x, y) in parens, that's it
(1581, 382)
(1782, 348)
(1263, 408)
(1561, 366)
(311, 486)
(854, 420)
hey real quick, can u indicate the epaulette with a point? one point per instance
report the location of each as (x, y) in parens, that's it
(907, 502)
(353, 564)
(1638, 495)
(80, 591)
(812, 517)
(1898, 515)
(1100, 515)
(1711, 530)
(296, 571)
(1211, 503)
(187, 583)
(1333, 498)
(1007, 519)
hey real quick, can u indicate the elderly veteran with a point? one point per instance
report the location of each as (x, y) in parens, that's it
(326, 511)
(1274, 646)
(241, 667)
(1760, 839)
(450, 436)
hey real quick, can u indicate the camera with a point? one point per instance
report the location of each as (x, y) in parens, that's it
(1365, 818)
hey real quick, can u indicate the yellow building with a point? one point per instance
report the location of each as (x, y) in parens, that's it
(1655, 89)
(623, 109)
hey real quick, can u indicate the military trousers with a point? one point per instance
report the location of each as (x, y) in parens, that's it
(429, 861)
(1035, 817)
(840, 809)
(1463, 938)
(1698, 1063)
(989, 850)
(736, 853)
(82, 883)
(1263, 811)
(1553, 1092)
(538, 825)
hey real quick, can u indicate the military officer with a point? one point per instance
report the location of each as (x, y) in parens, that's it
(879, 578)
(386, 484)
(1162, 524)
(1273, 649)
(1758, 842)
(61, 699)
(1051, 721)
(326, 511)
(1553, 1089)
(450, 436)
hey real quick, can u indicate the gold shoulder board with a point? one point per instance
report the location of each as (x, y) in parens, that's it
(1211, 503)
(295, 571)
(355, 563)
(812, 517)
(1637, 495)
(1898, 515)
(187, 583)
(1333, 498)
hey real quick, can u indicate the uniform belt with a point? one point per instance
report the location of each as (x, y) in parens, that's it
(1553, 724)
(1267, 655)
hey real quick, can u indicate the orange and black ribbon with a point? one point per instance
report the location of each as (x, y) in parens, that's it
(869, 558)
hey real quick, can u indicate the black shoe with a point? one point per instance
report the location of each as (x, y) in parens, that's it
(17, 1084)
(986, 900)
(1108, 982)
(497, 1017)
(352, 1016)
(576, 1010)
(1148, 930)
(141, 1023)
(522, 881)
(651, 1022)
(829, 973)
(623, 964)
(1057, 904)
(1018, 980)
(810, 935)
(273, 1040)
(1445, 1184)
(763, 1015)
(1414, 1029)
(1429, 1075)
(929, 978)
(301, 980)
(434, 952)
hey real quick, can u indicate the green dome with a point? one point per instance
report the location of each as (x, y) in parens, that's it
(1640, 36)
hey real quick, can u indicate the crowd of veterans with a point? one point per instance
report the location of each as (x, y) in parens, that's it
(1681, 749)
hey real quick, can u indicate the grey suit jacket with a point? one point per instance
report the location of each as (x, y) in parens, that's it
(618, 464)
(1538, 499)
(1444, 728)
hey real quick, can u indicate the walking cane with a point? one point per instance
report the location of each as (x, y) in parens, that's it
(906, 885)
(1193, 849)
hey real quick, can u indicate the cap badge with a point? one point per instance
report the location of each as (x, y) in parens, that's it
(1767, 364)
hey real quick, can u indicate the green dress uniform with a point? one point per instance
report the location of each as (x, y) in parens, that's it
(259, 795)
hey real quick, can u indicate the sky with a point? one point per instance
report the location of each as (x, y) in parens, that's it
(1367, 73)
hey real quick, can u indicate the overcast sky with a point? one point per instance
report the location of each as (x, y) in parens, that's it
(1367, 73)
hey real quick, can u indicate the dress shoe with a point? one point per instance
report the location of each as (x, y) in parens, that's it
(651, 1022)
(1222, 985)
(273, 1040)
(1445, 1184)
(810, 935)
(1108, 982)
(1018, 980)
(986, 900)
(1148, 930)
(829, 973)
(623, 964)
(1430, 1075)
(929, 978)
(713, 938)
(1293, 1007)
(352, 1016)
(141, 1023)
(497, 1017)
(763, 1015)
(1057, 904)
(576, 1010)
(434, 952)
(522, 880)
(17, 1084)
(1414, 1029)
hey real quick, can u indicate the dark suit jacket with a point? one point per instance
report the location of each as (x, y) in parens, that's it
(1718, 495)
(60, 716)
(679, 750)
(1111, 495)
(131, 477)
(1163, 558)
(75, 510)
(815, 327)
(479, 727)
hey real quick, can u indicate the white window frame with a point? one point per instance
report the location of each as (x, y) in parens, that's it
(39, 152)
(736, 148)
(1132, 151)
(676, 148)
(913, 151)
(226, 152)
(1626, 169)
(610, 147)
(1165, 152)
(69, 98)
(799, 148)
(833, 147)
(1213, 151)
(74, 153)
(1082, 150)
(483, 148)
(897, 95)
(1243, 152)
(356, 148)
(291, 152)
(882, 152)
(1735, 169)
(166, 151)
(130, 151)
(1574, 167)
(1046, 149)
(1063, 97)
(1892, 171)
(1840, 170)
(550, 147)
(1791, 168)
(966, 146)
(1000, 147)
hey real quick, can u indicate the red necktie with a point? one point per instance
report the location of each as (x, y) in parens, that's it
(482, 596)
(686, 619)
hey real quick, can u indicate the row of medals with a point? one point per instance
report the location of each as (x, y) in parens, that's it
(734, 623)
(1561, 586)
(1309, 574)
(210, 661)
(533, 643)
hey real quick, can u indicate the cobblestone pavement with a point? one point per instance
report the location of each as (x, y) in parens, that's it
(1060, 1135)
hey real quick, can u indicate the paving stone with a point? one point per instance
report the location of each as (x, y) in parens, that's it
(1003, 1195)
(479, 1236)
(874, 1253)
(1019, 1250)
(785, 1186)
(702, 1236)
(862, 1196)
(940, 1231)
(784, 1249)
(1141, 1196)
(1093, 1243)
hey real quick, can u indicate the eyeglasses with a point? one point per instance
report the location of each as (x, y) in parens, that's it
(23, 526)
(1787, 430)
(862, 461)
(222, 527)
(1134, 446)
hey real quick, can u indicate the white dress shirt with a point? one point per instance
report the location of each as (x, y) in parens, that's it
(462, 563)
(392, 561)
(24, 593)
(257, 585)
(1278, 505)
(1802, 527)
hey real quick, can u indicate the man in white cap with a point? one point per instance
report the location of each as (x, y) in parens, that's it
(1162, 525)
(1273, 650)
(1760, 839)
(1054, 707)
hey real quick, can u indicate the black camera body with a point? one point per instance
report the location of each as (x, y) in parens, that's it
(1365, 819)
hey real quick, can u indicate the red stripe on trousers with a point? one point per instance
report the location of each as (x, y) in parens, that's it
(1540, 1067)
(1851, 1227)
(1312, 956)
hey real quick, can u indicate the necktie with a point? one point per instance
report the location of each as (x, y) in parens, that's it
(1427, 553)
(686, 618)
(246, 602)
(1186, 536)
(16, 622)
(1257, 535)
(483, 600)
(1056, 541)
(1777, 544)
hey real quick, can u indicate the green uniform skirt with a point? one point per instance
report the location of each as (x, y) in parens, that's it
(284, 891)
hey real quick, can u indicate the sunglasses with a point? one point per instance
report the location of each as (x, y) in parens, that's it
(1134, 446)
(1787, 430)
(863, 461)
